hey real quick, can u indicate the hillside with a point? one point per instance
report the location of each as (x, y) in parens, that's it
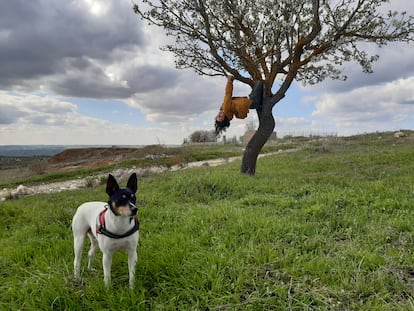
(93, 157)
(81, 162)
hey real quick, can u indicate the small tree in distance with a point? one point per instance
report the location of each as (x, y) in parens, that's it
(202, 137)
(267, 40)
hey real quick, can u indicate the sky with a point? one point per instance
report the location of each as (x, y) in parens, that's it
(90, 72)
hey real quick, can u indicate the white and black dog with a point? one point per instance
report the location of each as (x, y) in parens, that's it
(112, 226)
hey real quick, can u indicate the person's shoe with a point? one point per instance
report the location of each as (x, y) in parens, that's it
(256, 96)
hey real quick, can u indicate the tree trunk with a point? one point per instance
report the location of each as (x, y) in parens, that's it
(256, 143)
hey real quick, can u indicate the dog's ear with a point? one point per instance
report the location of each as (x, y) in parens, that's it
(111, 185)
(133, 183)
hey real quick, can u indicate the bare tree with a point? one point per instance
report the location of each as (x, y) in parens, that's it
(267, 40)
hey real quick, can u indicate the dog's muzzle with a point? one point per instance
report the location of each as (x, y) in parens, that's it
(134, 209)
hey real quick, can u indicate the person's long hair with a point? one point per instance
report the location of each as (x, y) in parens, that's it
(221, 126)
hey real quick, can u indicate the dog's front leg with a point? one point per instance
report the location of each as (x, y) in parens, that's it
(132, 261)
(107, 263)
(92, 250)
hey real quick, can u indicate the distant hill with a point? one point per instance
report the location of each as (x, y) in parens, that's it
(46, 150)
(30, 150)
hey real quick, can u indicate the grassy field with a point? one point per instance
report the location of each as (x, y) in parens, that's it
(326, 228)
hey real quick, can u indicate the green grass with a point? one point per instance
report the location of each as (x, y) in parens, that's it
(326, 228)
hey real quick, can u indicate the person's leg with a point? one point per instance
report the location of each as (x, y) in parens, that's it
(257, 95)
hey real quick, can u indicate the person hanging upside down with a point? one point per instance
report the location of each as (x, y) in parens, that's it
(237, 106)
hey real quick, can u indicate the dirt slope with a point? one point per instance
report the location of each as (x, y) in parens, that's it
(92, 157)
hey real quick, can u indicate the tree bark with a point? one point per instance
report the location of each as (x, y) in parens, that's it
(256, 143)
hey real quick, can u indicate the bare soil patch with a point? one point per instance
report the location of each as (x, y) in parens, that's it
(15, 167)
(92, 157)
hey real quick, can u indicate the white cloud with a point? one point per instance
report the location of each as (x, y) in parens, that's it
(181, 102)
(32, 119)
(390, 105)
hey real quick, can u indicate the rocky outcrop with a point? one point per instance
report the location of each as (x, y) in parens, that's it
(399, 134)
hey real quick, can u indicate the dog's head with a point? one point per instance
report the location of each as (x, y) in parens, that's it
(122, 200)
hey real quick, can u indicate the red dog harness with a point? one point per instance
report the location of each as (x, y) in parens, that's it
(101, 228)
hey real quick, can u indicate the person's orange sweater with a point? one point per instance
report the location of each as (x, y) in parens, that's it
(235, 106)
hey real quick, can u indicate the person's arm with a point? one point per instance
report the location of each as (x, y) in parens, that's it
(226, 107)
